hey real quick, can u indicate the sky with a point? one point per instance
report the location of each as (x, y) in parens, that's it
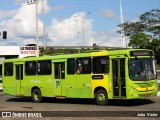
(68, 22)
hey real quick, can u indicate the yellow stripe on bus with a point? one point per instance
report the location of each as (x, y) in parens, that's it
(145, 89)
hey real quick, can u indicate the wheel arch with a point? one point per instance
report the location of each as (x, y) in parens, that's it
(98, 88)
(35, 87)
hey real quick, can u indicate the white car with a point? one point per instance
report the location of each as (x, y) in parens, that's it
(1, 88)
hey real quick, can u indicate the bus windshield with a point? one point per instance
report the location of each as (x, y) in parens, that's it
(142, 69)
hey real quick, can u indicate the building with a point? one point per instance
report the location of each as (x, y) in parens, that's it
(7, 52)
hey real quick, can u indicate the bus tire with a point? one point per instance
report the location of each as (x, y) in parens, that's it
(101, 97)
(36, 96)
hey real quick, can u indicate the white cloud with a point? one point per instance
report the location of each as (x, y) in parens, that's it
(70, 31)
(21, 28)
(108, 13)
(7, 14)
(108, 38)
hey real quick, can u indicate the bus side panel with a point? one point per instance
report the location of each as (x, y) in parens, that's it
(63, 84)
(44, 83)
(103, 83)
(47, 85)
(71, 86)
(28, 81)
(9, 85)
(84, 86)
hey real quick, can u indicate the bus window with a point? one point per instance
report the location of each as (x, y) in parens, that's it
(83, 65)
(56, 71)
(62, 70)
(71, 66)
(19, 72)
(8, 69)
(30, 68)
(142, 69)
(44, 67)
(100, 65)
(59, 70)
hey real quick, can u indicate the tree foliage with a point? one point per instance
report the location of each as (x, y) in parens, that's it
(143, 40)
(151, 21)
(144, 33)
(52, 51)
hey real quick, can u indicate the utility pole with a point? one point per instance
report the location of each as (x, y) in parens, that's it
(37, 41)
(83, 30)
(122, 31)
(44, 33)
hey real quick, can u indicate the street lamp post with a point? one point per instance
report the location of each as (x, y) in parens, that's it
(83, 30)
(37, 43)
(82, 22)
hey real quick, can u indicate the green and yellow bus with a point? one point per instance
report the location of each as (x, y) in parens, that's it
(101, 75)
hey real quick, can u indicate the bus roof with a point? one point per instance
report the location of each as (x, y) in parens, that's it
(86, 54)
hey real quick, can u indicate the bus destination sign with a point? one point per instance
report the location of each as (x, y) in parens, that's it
(141, 53)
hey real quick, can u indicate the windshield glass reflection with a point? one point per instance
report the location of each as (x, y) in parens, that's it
(142, 69)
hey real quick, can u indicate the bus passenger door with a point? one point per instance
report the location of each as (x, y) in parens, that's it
(118, 77)
(19, 78)
(59, 76)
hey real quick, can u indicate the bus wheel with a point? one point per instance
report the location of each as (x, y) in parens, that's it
(101, 97)
(36, 96)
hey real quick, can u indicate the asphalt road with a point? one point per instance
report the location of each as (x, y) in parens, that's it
(115, 108)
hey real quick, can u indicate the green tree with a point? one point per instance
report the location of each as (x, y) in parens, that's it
(49, 51)
(151, 21)
(144, 33)
(131, 28)
(52, 51)
(143, 40)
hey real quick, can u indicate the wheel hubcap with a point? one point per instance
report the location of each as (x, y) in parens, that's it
(36, 96)
(101, 97)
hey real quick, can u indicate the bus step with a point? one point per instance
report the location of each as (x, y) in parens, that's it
(60, 97)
